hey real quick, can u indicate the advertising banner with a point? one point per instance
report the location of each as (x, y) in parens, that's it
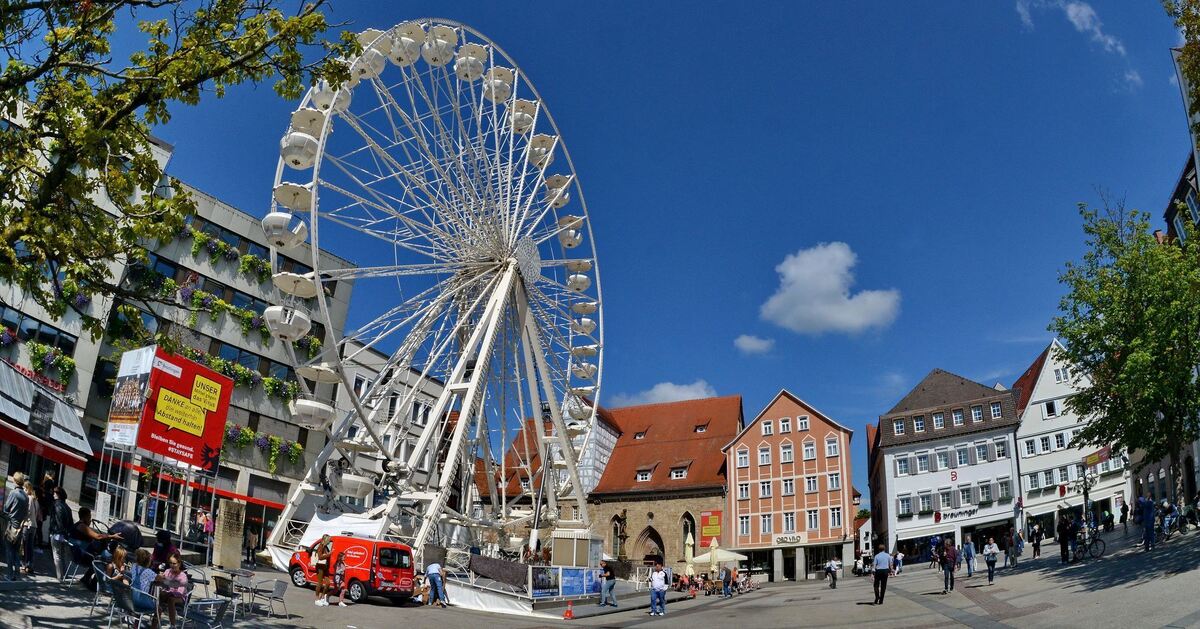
(129, 397)
(1098, 457)
(185, 411)
(591, 581)
(545, 581)
(573, 580)
(710, 527)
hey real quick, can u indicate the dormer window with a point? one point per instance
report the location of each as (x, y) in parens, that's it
(678, 473)
(700, 428)
(643, 476)
(640, 435)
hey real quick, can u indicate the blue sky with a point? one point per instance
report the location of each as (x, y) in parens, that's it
(862, 192)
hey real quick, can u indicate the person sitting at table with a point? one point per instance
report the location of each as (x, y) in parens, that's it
(163, 549)
(174, 586)
(118, 568)
(87, 540)
(141, 579)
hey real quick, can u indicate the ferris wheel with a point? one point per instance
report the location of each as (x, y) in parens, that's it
(438, 171)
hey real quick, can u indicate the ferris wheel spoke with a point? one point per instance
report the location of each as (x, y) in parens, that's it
(401, 270)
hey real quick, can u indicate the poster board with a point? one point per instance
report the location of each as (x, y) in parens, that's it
(129, 397)
(710, 527)
(185, 410)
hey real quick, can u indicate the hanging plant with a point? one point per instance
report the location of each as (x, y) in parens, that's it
(253, 266)
(295, 452)
(8, 337)
(199, 240)
(47, 359)
(310, 345)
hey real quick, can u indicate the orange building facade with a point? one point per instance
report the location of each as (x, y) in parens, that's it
(790, 499)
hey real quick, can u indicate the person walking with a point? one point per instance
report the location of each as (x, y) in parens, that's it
(61, 527)
(1035, 536)
(658, 590)
(831, 569)
(899, 561)
(1125, 517)
(883, 566)
(1147, 513)
(30, 529)
(726, 576)
(990, 552)
(16, 512)
(608, 580)
(1010, 548)
(1064, 537)
(948, 559)
(251, 546)
(968, 548)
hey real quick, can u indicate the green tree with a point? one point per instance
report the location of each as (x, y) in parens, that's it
(1186, 14)
(862, 513)
(79, 186)
(1130, 321)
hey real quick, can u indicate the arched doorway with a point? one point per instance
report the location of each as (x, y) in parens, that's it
(649, 546)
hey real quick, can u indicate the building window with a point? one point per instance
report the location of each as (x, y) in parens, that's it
(643, 476)
(1005, 489)
(785, 453)
(764, 455)
(964, 459)
(1062, 375)
(764, 523)
(926, 502)
(985, 492)
(922, 463)
(1030, 447)
(678, 473)
(802, 422)
(1001, 449)
(835, 481)
(997, 410)
(785, 425)
(810, 484)
(810, 451)
(764, 489)
(919, 423)
(1033, 481)
(976, 413)
(1045, 443)
(744, 525)
(945, 498)
(939, 421)
(743, 491)
(835, 518)
(957, 416)
(1193, 205)
(898, 427)
(831, 447)
(524, 484)
(700, 428)
(964, 495)
(789, 486)
(1179, 226)
(1060, 441)
(640, 435)
(789, 522)
(813, 522)
(943, 460)
(743, 458)
(1047, 478)
(981, 453)
(1051, 409)
(768, 428)
(902, 466)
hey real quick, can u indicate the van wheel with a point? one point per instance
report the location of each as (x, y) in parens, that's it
(357, 592)
(298, 578)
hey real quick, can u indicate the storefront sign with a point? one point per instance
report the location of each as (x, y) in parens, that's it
(791, 539)
(710, 527)
(185, 410)
(49, 383)
(1097, 457)
(961, 513)
(129, 397)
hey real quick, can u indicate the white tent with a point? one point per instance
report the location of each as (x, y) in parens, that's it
(719, 555)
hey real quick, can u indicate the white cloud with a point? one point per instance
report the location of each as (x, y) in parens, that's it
(1023, 11)
(666, 392)
(1083, 17)
(1133, 79)
(750, 344)
(814, 294)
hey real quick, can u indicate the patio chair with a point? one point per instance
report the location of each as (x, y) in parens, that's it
(123, 602)
(205, 612)
(79, 559)
(103, 585)
(197, 575)
(231, 590)
(271, 591)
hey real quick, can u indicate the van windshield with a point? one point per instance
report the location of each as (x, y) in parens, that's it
(394, 558)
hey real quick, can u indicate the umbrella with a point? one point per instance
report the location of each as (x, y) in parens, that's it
(719, 556)
(689, 550)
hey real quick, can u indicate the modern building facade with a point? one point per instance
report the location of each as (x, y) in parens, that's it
(946, 464)
(666, 480)
(790, 498)
(1050, 460)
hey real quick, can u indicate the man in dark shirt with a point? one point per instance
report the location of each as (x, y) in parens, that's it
(1064, 537)
(608, 580)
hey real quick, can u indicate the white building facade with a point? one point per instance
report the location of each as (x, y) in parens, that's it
(948, 464)
(1051, 461)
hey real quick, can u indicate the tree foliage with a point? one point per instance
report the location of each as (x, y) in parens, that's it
(1130, 323)
(80, 188)
(1186, 14)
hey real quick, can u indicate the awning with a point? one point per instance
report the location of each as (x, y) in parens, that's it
(41, 420)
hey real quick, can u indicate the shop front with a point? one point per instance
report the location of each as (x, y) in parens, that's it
(40, 431)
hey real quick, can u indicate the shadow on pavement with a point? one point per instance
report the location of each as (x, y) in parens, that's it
(1124, 566)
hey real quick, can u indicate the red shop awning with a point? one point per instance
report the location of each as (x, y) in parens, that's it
(23, 440)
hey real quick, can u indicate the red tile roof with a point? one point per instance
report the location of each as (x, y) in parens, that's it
(1024, 385)
(522, 451)
(671, 440)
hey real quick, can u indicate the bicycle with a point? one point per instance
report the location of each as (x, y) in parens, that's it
(1092, 545)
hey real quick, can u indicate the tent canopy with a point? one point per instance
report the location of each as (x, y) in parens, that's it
(719, 555)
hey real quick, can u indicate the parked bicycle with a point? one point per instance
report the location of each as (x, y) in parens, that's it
(1090, 545)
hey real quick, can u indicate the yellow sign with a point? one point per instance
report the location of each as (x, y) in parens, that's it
(206, 393)
(176, 411)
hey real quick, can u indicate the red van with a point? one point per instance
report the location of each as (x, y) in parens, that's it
(373, 568)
